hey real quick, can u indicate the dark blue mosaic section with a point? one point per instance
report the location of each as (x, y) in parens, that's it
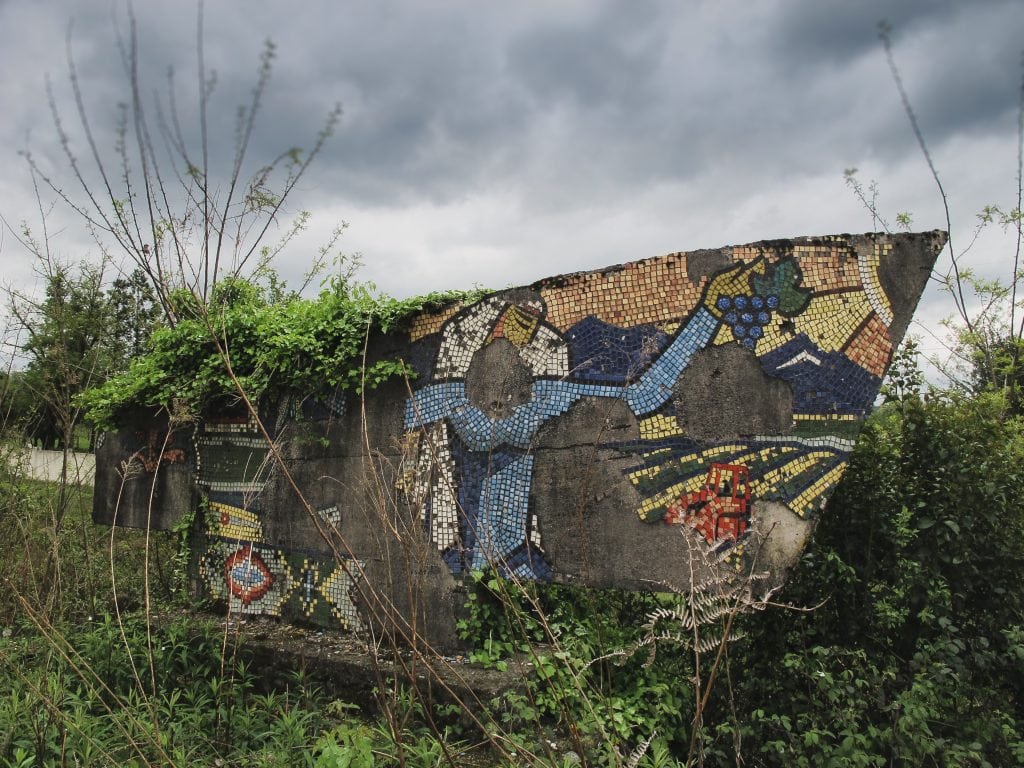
(494, 520)
(605, 353)
(822, 382)
(473, 466)
(527, 563)
(325, 407)
(421, 357)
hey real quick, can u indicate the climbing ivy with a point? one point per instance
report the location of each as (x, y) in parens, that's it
(263, 340)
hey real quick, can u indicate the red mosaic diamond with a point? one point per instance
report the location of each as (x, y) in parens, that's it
(247, 575)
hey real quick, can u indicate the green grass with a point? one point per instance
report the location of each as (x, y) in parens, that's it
(58, 561)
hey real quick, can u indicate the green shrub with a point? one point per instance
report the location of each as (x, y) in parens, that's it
(273, 343)
(913, 658)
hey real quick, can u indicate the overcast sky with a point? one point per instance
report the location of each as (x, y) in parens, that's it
(497, 143)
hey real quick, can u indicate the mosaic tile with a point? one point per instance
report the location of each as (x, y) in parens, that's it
(251, 579)
(232, 463)
(254, 579)
(811, 314)
(158, 448)
(428, 483)
(336, 588)
(309, 576)
(868, 268)
(234, 522)
(815, 317)
(428, 323)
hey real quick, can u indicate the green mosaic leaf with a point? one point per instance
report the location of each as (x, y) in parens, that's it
(783, 281)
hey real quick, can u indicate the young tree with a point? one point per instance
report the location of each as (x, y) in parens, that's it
(66, 334)
(68, 347)
(134, 314)
(15, 401)
(159, 200)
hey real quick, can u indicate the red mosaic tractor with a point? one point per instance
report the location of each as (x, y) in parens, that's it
(721, 508)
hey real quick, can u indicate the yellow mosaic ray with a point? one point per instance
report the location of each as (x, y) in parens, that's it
(235, 523)
(690, 485)
(659, 426)
(831, 319)
(813, 498)
(775, 478)
(826, 417)
(769, 483)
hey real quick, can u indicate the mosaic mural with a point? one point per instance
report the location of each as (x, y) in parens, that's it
(715, 393)
(237, 565)
(813, 315)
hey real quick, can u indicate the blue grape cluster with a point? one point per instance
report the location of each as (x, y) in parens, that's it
(747, 315)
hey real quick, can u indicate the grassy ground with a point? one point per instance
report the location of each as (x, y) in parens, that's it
(86, 679)
(65, 566)
(103, 662)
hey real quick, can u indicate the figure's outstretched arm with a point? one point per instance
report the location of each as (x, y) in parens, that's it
(654, 387)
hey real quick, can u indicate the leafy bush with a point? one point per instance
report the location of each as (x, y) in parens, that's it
(906, 649)
(266, 340)
(581, 680)
(913, 658)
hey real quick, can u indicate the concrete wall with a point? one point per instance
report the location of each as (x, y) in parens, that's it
(603, 428)
(49, 465)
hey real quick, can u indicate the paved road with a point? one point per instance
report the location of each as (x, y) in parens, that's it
(45, 465)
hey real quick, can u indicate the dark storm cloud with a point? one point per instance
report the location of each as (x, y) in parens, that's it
(971, 75)
(501, 142)
(559, 107)
(614, 94)
(604, 61)
(582, 100)
(834, 33)
(959, 61)
(427, 105)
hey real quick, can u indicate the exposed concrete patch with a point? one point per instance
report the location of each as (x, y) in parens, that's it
(903, 275)
(590, 421)
(725, 394)
(783, 536)
(706, 262)
(498, 380)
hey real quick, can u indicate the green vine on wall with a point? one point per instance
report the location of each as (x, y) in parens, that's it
(272, 342)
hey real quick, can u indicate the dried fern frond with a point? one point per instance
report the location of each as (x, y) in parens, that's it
(641, 749)
(700, 619)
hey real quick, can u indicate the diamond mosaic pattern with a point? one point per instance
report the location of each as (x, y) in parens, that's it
(238, 566)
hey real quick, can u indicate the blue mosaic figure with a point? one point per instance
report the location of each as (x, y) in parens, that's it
(483, 520)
